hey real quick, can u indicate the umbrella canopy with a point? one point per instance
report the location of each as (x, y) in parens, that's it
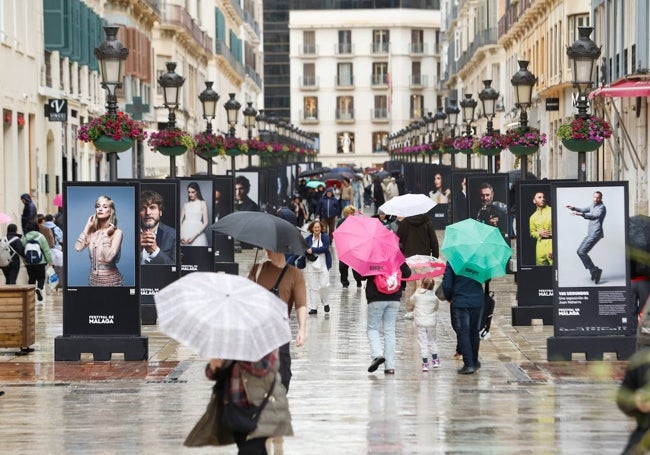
(4, 218)
(315, 184)
(639, 244)
(223, 316)
(367, 246)
(338, 175)
(58, 200)
(262, 230)
(315, 171)
(408, 205)
(381, 174)
(475, 250)
(332, 183)
(424, 266)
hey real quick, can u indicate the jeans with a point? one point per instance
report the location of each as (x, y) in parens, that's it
(467, 324)
(585, 247)
(383, 313)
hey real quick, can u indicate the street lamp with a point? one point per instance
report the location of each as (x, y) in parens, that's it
(523, 82)
(452, 110)
(439, 120)
(469, 106)
(249, 123)
(232, 107)
(111, 55)
(261, 123)
(171, 83)
(489, 97)
(583, 54)
(209, 98)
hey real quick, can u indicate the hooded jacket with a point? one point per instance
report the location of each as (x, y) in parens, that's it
(417, 236)
(328, 206)
(29, 211)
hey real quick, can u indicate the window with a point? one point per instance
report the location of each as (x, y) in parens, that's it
(380, 141)
(417, 110)
(579, 20)
(345, 42)
(345, 141)
(417, 41)
(380, 40)
(308, 75)
(380, 110)
(379, 72)
(344, 108)
(416, 73)
(344, 75)
(311, 108)
(308, 42)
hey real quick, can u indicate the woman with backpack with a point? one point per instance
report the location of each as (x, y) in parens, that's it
(37, 257)
(15, 251)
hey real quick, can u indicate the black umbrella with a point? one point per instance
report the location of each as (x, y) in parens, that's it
(315, 171)
(639, 244)
(381, 174)
(262, 230)
(338, 175)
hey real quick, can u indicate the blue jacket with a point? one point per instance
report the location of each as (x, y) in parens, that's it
(325, 249)
(463, 292)
(328, 207)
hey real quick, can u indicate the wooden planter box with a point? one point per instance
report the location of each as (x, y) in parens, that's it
(17, 316)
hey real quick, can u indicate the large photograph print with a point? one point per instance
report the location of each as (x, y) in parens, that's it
(589, 257)
(488, 200)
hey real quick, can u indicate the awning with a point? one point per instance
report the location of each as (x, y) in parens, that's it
(624, 88)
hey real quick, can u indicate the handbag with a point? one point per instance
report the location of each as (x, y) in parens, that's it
(204, 432)
(242, 419)
(311, 256)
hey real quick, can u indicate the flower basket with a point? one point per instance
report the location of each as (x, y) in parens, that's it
(450, 150)
(107, 144)
(209, 145)
(235, 146)
(176, 150)
(466, 151)
(491, 144)
(489, 151)
(579, 145)
(206, 154)
(233, 152)
(520, 150)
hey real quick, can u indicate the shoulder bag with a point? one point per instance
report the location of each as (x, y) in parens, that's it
(242, 419)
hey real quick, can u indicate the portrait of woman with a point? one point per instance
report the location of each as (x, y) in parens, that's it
(103, 239)
(440, 194)
(194, 217)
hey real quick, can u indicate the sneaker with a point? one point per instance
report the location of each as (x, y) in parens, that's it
(425, 366)
(327, 308)
(39, 294)
(313, 312)
(389, 371)
(408, 315)
(435, 363)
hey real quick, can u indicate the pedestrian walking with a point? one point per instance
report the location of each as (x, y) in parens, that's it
(29, 211)
(347, 193)
(316, 270)
(466, 297)
(42, 257)
(328, 209)
(16, 247)
(425, 306)
(344, 269)
(377, 193)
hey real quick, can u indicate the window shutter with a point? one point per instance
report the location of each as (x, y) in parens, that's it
(85, 50)
(220, 32)
(54, 24)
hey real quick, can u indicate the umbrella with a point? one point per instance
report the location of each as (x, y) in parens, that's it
(315, 171)
(381, 174)
(223, 316)
(4, 218)
(262, 230)
(424, 266)
(338, 175)
(314, 184)
(332, 183)
(639, 244)
(408, 205)
(367, 246)
(58, 200)
(476, 250)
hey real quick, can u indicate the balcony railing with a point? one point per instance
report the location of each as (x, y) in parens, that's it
(309, 115)
(250, 20)
(308, 50)
(344, 81)
(379, 114)
(343, 48)
(418, 80)
(222, 49)
(250, 72)
(379, 79)
(483, 38)
(512, 15)
(379, 48)
(177, 15)
(417, 48)
(345, 114)
(308, 82)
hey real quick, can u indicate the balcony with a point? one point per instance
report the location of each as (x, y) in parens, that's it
(178, 16)
(379, 48)
(418, 81)
(308, 50)
(344, 115)
(233, 8)
(251, 24)
(345, 82)
(222, 49)
(308, 83)
(486, 37)
(416, 114)
(379, 80)
(343, 49)
(416, 48)
(379, 115)
(250, 72)
(309, 116)
(512, 16)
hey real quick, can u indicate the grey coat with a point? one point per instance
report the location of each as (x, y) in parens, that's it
(595, 213)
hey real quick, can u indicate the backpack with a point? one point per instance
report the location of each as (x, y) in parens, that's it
(33, 252)
(6, 251)
(389, 284)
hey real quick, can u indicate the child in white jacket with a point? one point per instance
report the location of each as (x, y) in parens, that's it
(425, 314)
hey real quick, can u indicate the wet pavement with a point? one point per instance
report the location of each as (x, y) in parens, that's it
(518, 402)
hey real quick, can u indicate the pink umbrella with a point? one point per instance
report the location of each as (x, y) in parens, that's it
(368, 246)
(424, 266)
(58, 200)
(4, 218)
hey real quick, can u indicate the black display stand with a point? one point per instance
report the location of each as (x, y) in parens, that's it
(561, 348)
(70, 348)
(524, 315)
(148, 313)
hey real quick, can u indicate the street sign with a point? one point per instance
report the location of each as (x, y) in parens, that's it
(136, 108)
(56, 110)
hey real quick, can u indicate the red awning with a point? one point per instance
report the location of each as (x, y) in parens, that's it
(624, 88)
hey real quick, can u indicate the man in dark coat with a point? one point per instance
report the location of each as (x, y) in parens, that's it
(29, 211)
(157, 240)
(328, 209)
(377, 193)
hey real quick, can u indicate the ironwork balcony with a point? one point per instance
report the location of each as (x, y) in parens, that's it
(345, 115)
(344, 81)
(512, 15)
(418, 81)
(379, 115)
(309, 116)
(222, 49)
(487, 37)
(417, 48)
(178, 16)
(379, 79)
(308, 82)
(343, 48)
(379, 48)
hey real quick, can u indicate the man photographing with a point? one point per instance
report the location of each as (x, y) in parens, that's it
(157, 240)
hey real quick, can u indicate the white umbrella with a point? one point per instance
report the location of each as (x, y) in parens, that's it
(408, 205)
(223, 316)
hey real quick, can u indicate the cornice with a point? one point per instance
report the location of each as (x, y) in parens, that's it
(228, 71)
(526, 23)
(140, 11)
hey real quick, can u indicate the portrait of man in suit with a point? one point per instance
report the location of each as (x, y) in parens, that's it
(157, 240)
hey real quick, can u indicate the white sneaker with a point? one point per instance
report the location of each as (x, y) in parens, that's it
(408, 315)
(425, 366)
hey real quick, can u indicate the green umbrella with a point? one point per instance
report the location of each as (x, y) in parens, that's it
(314, 184)
(476, 250)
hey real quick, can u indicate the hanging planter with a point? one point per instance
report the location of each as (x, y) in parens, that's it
(175, 150)
(107, 144)
(233, 152)
(580, 145)
(206, 154)
(450, 150)
(489, 151)
(466, 151)
(171, 142)
(520, 150)
(491, 144)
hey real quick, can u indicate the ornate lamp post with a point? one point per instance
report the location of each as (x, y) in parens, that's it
(232, 107)
(523, 82)
(209, 98)
(171, 83)
(439, 120)
(583, 54)
(489, 97)
(111, 55)
(430, 125)
(452, 110)
(469, 106)
(249, 122)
